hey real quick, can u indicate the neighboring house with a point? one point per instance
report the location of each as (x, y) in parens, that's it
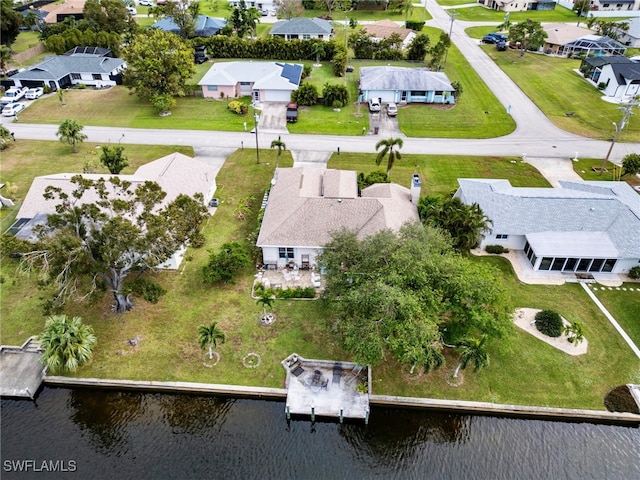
(560, 34)
(385, 28)
(581, 227)
(264, 81)
(592, 45)
(621, 80)
(72, 69)
(204, 27)
(591, 67)
(615, 4)
(518, 5)
(261, 5)
(405, 85)
(176, 174)
(631, 38)
(57, 12)
(306, 205)
(40, 17)
(302, 29)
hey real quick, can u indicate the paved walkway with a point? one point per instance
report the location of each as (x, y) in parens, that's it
(555, 169)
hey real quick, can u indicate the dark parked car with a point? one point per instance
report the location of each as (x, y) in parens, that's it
(494, 37)
(501, 46)
(292, 113)
(200, 55)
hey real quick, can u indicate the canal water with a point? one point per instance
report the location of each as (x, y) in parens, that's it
(103, 434)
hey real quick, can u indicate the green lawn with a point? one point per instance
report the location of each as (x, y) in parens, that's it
(417, 14)
(440, 172)
(553, 85)
(584, 167)
(624, 305)
(479, 32)
(523, 370)
(481, 14)
(25, 41)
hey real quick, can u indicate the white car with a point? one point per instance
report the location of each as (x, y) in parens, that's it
(374, 104)
(132, 11)
(146, 3)
(13, 95)
(34, 93)
(12, 109)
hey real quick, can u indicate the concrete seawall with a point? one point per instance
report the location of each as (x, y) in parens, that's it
(456, 406)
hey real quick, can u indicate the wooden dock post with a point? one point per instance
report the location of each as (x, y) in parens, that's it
(366, 418)
(313, 414)
(288, 412)
(341, 416)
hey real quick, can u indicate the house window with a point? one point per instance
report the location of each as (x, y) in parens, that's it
(557, 264)
(438, 92)
(97, 76)
(245, 84)
(570, 266)
(285, 252)
(545, 264)
(306, 36)
(212, 88)
(501, 236)
(596, 265)
(583, 266)
(608, 265)
(418, 93)
(76, 76)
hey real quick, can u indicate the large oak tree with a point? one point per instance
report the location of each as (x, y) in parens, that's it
(105, 230)
(158, 66)
(400, 294)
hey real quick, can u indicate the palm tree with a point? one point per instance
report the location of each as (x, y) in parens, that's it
(66, 343)
(209, 336)
(266, 301)
(280, 145)
(472, 350)
(574, 333)
(70, 132)
(388, 148)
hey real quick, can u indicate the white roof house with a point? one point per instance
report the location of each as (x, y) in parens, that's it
(303, 29)
(307, 204)
(264, 81)
(582, 227)
(405, 85)
(175, 173)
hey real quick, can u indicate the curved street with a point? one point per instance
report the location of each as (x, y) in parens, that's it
(534, 135)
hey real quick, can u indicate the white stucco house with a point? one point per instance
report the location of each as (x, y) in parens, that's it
(582, 227)
(405, 85)
(73, 68)
(631, 37)
(306, 205)
(175, 173)
(264, 81)
(621, 80)
(302, 29)
(518, 5)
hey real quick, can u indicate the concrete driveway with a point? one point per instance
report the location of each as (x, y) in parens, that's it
(273, 118)
(387, 126)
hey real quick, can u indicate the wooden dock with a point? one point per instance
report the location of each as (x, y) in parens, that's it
(21, 372)
(326, 388)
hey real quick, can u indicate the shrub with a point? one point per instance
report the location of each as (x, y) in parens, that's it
(333, 93)
(238, 107)
(496, 249)
(226, 264)
(307, 94)
(602, 86)
(620, 399)
(296, 292)
(635, 272)
(147, 289)
(549, 323)
(413, 25)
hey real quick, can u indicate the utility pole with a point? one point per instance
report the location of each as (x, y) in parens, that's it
(452, 15)
(625, 118)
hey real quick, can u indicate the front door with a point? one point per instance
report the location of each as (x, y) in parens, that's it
(403, 96)
(256, 96)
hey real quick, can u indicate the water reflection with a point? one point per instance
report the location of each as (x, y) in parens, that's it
(393, 432)
(105, 415)
(190, 414)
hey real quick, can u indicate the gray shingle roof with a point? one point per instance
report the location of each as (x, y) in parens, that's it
(402, 78)
(57, 67)
(301, 26)
(306, 205)
(612, 208)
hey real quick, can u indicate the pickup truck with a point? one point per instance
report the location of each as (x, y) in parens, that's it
(13, 95)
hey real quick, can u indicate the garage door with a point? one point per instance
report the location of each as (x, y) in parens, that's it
(277, 96)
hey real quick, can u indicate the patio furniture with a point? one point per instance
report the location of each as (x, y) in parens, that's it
(355, 373)
(337, 374)
(304, 262)
(316, 280)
